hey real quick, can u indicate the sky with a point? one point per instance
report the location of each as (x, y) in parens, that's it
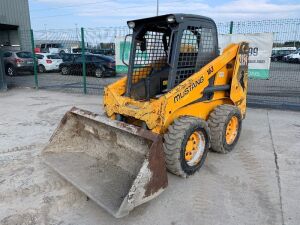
(56, 14)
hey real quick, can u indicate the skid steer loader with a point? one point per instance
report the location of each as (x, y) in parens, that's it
(179, 98)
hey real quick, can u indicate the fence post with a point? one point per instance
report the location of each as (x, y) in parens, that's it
(83, 60)
(231, 27)
(3, 84)
(34, 61)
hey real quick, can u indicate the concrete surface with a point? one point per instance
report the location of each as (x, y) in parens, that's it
(257, 183)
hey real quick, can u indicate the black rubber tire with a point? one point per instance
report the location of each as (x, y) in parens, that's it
(175, 140)
(65, 70)
(11, 71)
(41, 69)
(217, 122)
(98, 74)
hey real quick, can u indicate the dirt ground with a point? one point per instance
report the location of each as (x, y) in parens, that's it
(257, 183)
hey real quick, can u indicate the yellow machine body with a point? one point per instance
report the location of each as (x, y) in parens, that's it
(157, 120)
(183, 100)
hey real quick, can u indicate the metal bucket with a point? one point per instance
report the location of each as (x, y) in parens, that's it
(117, 165)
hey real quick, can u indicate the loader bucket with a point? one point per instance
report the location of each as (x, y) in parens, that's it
(119, 166)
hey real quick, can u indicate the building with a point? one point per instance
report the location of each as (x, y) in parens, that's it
(15, 25)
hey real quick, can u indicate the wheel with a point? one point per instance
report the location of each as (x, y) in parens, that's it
(186, 144)
(275, 59)
(99, 72)
(225, 124)
(11, 71)
(41, 69)
(65, 70)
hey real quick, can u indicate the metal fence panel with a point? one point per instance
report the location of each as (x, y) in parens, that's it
(3, 85)
(281, 90)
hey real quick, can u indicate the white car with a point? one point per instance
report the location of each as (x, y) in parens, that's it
(48, 62)
(54, 48)
(295, 57)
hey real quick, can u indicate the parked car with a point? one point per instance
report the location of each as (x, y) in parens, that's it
(295, 57)
(54, 48)
(278, 56)
(19, 61)
(48, 62)
(279, 52)
(96, 65)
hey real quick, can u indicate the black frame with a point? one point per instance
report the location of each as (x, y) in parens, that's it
(183, 22)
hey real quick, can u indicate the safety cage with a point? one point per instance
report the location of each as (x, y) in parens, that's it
(166, 50)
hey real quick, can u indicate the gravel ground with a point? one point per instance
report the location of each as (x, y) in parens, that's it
(257, 183)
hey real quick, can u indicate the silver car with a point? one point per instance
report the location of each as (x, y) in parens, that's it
(19, 61)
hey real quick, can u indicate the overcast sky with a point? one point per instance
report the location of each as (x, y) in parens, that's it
(52, 14)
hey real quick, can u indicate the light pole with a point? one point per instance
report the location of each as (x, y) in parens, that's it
(157, 7)
(77, 35)
(296, 34)
(46, 32)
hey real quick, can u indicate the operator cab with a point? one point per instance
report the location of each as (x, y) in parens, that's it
(166, 50)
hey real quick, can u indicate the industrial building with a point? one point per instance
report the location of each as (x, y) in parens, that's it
(15, 25)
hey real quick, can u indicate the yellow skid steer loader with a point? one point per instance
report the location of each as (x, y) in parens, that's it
(179, 98)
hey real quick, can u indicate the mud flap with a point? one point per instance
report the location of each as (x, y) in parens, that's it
(119, 166)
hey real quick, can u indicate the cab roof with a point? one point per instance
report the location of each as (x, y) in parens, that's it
(179, 17)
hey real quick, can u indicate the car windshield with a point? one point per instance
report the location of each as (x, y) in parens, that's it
(53, 57)
(24, 55)
(106, 58)
(57, 46)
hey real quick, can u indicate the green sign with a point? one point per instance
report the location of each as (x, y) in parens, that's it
(258, 74)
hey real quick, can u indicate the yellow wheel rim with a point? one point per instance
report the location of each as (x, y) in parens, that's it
(232, 130)
(194, 148)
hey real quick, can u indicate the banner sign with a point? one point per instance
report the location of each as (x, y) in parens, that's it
(122, 47)
(260, 50)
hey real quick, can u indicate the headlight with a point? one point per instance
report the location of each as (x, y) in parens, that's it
(131, 24)
(171, 19)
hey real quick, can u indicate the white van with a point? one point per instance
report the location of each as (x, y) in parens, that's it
(53, 48)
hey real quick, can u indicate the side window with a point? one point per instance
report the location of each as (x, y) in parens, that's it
(48, 46)
(197, 48)
(43, 45)
(207, 41)
(189, 48)
(7, 54)
(190, 40)
(53, 57)
(39, 56)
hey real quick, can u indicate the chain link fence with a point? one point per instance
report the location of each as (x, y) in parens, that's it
(281, 90)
